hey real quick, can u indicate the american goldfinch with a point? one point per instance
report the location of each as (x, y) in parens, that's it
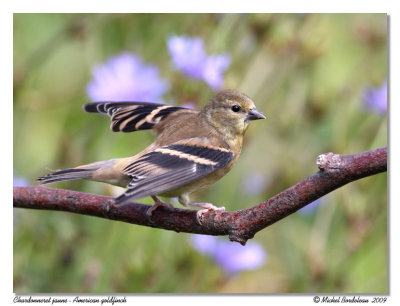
(193, 149)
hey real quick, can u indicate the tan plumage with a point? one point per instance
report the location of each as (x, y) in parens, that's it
(193, 148)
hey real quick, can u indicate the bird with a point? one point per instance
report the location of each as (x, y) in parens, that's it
(193, 148)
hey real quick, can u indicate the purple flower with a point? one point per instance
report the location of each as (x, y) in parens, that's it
(214, 67)
(375, 99)
(232, 257)
(126, 78)
(310, 208)
(20, 182)
(188, 55)
(254, 183)
(205, 244)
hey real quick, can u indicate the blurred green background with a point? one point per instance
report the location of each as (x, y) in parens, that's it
(306, 72)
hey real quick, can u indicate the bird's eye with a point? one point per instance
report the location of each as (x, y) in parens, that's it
(236, 108)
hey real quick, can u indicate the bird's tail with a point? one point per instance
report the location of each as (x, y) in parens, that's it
(81, 172)
(65, 175)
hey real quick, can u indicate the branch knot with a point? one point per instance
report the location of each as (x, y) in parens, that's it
(329, 162)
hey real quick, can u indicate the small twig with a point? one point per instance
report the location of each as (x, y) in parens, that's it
(335, 171)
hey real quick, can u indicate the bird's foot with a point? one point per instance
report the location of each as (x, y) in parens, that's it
(205, 208)
(157, 203)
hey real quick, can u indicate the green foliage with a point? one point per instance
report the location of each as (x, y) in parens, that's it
(305, 72)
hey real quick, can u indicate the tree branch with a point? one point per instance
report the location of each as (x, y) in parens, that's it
(335, 171)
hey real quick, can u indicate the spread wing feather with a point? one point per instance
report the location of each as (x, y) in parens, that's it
(171, 167)
(133, 116)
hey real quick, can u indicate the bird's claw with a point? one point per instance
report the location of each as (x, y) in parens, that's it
(206, 208)
(157, 203)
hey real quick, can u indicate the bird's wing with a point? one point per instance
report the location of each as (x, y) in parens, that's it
(133, 116)
(172, 166)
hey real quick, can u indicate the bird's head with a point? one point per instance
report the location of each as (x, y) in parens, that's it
(231, 111)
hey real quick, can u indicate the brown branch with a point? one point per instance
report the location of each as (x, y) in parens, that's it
(335, 171)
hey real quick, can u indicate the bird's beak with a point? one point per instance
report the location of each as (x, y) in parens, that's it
(255, 114)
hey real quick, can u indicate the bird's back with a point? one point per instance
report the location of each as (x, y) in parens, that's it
(186, 125)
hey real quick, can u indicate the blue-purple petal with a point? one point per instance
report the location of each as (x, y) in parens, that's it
(231, 257)
(310, 208)
(254, 183)
(126, 78)
(188, 56)
(214, 69)
(204, 244)
(375, 99)
(20, 182)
